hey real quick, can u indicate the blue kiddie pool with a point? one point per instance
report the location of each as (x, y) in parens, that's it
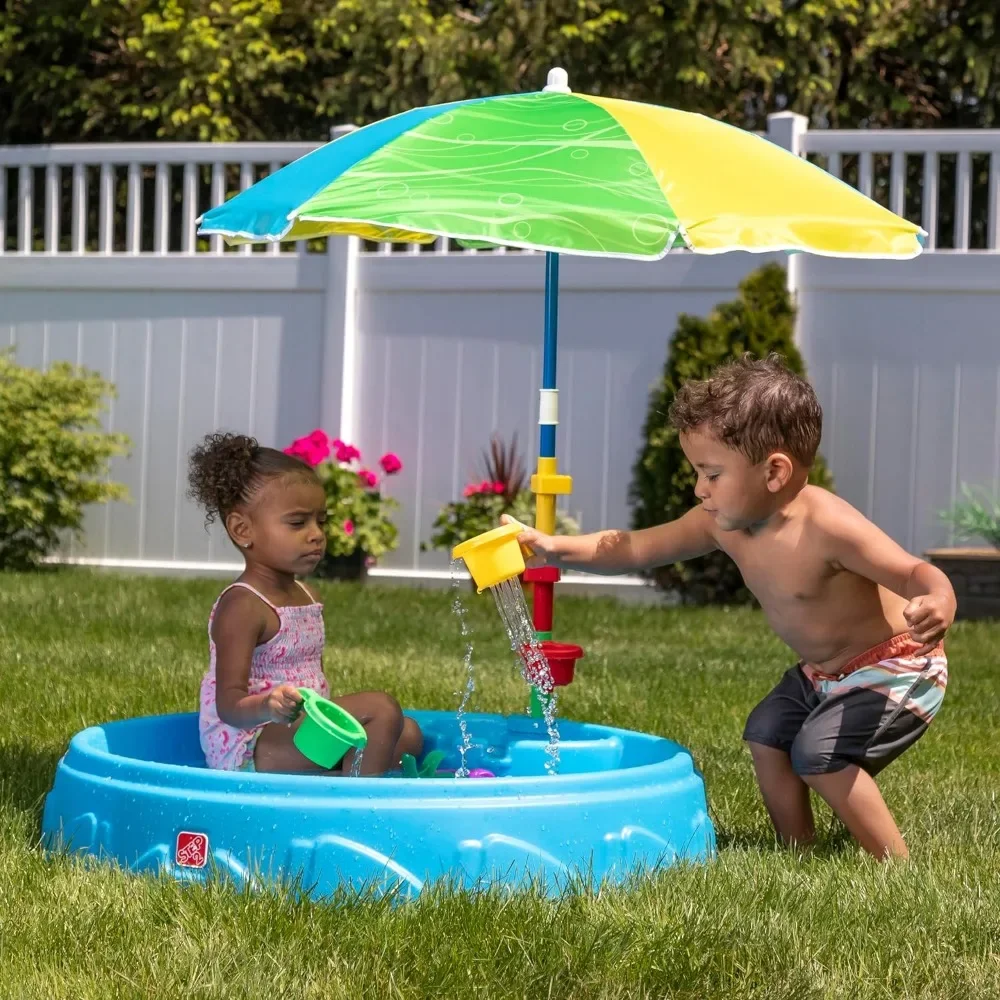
(137, 792)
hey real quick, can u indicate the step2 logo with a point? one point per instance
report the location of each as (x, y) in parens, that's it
(191, 850)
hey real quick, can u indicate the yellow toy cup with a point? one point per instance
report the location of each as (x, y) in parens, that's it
(493, 556)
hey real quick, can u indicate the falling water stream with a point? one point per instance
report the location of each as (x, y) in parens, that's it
(458, 607)
(355, 771)
(509, 597)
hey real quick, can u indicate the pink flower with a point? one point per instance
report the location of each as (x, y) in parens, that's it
(307, 451)
(368, 478)
(499, 488)
(348, 527)
(390, 463)
(470, 491)
(320, 442)
(346, 452)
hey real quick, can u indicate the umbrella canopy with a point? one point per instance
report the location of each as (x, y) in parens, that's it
(569, 173)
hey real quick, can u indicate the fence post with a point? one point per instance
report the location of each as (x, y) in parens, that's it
(788, 130)
(339, 375)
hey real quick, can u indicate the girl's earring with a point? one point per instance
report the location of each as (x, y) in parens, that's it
(247, 545)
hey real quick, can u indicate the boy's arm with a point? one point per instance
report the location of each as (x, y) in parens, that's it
(611, 552)
(862, 548)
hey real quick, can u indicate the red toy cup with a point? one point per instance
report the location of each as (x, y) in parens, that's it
(562, 657)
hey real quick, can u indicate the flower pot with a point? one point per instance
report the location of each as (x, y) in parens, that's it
(352, 568)
(975, 576)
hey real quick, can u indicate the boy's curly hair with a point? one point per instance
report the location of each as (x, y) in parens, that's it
(756, 406)
(228, 470)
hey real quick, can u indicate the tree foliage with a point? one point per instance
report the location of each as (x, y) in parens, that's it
(72, 70)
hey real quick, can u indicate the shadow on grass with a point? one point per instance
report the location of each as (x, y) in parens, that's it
(831, 840)
(26, 774)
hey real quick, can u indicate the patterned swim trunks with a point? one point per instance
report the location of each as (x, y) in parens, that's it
(879, 705)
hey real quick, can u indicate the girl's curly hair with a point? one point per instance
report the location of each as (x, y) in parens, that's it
(227, 470)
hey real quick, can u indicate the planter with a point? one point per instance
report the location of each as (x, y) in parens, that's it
(352, 568)
(975, 575)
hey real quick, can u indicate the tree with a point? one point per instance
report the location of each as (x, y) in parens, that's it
(288, 69)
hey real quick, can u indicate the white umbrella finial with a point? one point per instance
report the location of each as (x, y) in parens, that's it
(558, 82)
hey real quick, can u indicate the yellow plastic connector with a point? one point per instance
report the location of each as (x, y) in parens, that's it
(552, 484)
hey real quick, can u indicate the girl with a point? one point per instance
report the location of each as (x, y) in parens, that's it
(266, 630)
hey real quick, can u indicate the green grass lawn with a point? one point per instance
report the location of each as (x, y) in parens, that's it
(79, 648)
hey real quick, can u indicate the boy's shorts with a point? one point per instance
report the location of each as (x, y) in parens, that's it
(826, 722)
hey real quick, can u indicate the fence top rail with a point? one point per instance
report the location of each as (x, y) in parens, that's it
(902, 141)
(124, 153)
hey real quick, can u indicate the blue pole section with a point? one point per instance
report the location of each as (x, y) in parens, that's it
(547, 442)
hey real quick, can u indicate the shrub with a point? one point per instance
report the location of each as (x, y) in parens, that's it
(760, 321)
(53, 457)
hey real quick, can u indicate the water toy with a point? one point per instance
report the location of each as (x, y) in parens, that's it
(137, 792)
(428, 769)
(493, 556)
(327, 731)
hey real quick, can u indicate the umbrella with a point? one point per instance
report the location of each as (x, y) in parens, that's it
(563, 173)
(568, 173)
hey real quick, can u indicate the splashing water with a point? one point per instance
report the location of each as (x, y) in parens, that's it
(509, 597)
(355, 771)
(459, 609)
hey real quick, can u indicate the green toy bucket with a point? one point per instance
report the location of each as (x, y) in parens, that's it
(327, 732)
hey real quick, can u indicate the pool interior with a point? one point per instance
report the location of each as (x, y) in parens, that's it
(507, 746)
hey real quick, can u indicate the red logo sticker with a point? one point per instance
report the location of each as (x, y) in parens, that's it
(191, 850)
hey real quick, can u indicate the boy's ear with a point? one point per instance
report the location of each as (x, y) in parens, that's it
(778, 469)
(239, 529)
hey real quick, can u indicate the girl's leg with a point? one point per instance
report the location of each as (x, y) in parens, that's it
(382, 718)
(277, 754)
(411, 741)
(390, 735)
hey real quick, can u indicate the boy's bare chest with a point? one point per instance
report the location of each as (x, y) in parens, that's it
(781, 571)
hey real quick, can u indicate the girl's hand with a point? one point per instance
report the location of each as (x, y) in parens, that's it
(283, 704)
(542, 546)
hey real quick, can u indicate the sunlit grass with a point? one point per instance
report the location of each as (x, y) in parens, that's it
(79, 648)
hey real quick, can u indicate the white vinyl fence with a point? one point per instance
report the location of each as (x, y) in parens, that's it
(427, 352)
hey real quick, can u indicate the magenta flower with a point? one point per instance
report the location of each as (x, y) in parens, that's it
(368, 478)
(390, 463)
(320, 442)
(498, 488)
(346, 453)
(348, 527)
(471, 490)
(308, 451)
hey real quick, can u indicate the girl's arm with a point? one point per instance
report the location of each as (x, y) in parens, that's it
(237, 629)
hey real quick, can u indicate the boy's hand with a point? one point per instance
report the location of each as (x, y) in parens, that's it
(541, 545)
(929, 617)
(283, 703)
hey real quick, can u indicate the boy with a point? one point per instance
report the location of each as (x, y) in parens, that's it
(865, 618)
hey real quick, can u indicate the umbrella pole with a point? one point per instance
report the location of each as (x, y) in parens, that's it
(547, 483)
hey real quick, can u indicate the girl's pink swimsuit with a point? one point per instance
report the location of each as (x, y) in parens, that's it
(293, 656)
